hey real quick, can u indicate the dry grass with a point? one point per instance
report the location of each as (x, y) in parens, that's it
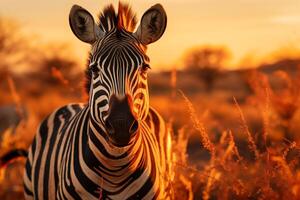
(228, 175)
(199, 126)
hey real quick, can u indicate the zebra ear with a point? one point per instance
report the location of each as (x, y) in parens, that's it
(153, 25)
(83, 25)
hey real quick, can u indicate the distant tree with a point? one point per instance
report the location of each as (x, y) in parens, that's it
(206, 62)
(38, 64)
(54, 66)
(12, 42)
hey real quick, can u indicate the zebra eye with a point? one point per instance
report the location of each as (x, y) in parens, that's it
(145, 67)
(94, 68)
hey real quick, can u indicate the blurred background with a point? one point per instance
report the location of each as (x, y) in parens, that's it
(225, 76)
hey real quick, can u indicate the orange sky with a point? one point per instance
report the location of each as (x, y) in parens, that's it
(247, 27)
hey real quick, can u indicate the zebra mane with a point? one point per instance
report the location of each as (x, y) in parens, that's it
(124, 19)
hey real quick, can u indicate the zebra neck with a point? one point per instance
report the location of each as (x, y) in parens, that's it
(113, 157)
(113, 169)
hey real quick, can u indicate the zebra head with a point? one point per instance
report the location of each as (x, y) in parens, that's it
(118, 65)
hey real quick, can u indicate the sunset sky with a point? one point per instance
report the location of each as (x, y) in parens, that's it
(246, 27)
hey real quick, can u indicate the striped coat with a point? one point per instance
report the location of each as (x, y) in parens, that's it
(116, 146)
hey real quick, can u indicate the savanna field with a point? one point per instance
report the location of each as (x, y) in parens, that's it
(235, 133)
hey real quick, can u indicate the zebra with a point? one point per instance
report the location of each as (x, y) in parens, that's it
(115, 146)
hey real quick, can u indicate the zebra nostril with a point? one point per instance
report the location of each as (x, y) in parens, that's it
(134, 127)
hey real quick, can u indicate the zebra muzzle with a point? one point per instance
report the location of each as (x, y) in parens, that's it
(121, 131)
(121, 124)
